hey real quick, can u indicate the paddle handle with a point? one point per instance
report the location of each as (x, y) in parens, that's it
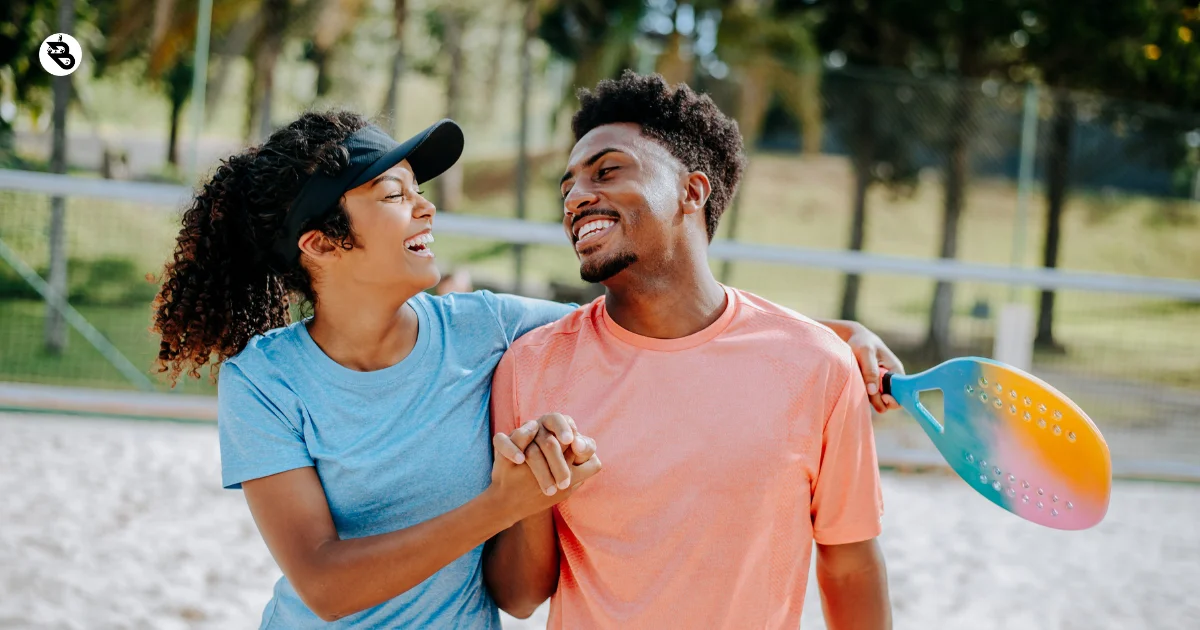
(915, 406)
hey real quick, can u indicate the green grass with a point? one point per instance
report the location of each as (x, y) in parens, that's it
(786, 201)
(23, 356)
(806, 202)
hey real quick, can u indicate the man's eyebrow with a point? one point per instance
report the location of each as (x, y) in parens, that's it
(590, 161)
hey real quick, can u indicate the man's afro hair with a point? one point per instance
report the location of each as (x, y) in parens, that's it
(688, 124)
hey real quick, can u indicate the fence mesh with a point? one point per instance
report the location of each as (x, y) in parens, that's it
(899, 149)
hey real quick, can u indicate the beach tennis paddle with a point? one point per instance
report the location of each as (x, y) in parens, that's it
(1015, 439)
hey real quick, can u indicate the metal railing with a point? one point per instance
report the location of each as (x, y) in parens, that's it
(1134, 362)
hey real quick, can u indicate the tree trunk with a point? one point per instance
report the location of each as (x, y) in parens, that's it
(492, 84)
(248, 133)
(864, 157)
(959, 157)
(675, 64)
(179, 89)
(173, 138)
(752, 111)
(270, 43)
(529, 24)
(231, 48)
(391, 102)
(449, 185)
(811, 117)
(56, 326)
(801, 90)
(164, 10)
(1057, 180)
(320, 58)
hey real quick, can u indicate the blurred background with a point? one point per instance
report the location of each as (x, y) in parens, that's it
(1018, 179)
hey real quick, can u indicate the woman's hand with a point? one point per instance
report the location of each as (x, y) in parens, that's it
(874, 358)
(553, 472)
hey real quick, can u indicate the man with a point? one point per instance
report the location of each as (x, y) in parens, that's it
(734, 432)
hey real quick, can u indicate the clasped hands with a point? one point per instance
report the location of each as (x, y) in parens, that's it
(547, 456)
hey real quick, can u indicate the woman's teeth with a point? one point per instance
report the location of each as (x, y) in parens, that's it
(419, 243)
(594, 228)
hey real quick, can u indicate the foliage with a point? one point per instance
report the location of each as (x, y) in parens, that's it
(105, 281)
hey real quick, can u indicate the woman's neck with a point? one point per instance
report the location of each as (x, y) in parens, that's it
(364, 332)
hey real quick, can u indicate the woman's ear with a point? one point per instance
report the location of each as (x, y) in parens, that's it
(696, 190)
(318, 247)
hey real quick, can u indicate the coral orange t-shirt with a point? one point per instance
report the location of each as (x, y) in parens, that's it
(726, 454)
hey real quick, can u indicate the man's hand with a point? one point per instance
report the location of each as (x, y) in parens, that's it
(551, 445)
(872, 354)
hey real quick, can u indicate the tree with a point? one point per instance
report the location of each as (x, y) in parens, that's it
(334, 21)
(178, 84)
(597, 37)
(27, 22)
(872, 113)
(968, 40)
(878, 117)
(530, 16)
(447, 25)
(391, 102)
(1112, 46)
(163, 39)
(265, 54)
(56, 326)
(770, 50)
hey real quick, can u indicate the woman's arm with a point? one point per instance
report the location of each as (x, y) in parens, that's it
(336, 578)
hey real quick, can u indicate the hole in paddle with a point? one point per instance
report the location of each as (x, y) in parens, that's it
(934, 401)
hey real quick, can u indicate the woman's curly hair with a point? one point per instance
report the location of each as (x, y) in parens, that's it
(220, 288)
(688, 124)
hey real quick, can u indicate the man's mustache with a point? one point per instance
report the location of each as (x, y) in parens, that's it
(594, 212)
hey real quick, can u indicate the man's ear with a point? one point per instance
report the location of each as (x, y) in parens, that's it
(696, 190)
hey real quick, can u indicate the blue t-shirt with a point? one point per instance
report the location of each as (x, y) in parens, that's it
(393, 447)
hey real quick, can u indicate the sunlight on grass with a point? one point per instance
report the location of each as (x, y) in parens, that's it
(786, 200)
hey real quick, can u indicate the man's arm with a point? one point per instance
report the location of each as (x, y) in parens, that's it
(847, 511)
(854, 589)
(520, 564)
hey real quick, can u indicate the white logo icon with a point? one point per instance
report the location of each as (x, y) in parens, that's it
(60, 54)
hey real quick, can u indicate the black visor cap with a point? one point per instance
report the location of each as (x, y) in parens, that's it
(372, 152)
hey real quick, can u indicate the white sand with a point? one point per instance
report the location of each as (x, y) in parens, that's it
(115, 524)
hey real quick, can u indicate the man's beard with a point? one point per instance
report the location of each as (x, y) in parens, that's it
(601, 270)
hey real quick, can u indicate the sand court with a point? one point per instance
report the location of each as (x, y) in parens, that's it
(123, 524)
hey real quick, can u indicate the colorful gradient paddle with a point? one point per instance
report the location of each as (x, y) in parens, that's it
(1015, 439)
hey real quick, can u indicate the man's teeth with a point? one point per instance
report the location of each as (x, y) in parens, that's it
(419, 241)
(594, 227)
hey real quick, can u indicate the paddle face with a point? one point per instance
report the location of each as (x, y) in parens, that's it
(1018, 441)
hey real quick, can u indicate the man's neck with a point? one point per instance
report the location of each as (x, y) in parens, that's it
(364, 328)
(665, 307)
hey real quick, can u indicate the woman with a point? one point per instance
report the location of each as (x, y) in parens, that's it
(360, 436)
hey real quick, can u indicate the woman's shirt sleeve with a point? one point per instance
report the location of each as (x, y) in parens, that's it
(257, 438)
